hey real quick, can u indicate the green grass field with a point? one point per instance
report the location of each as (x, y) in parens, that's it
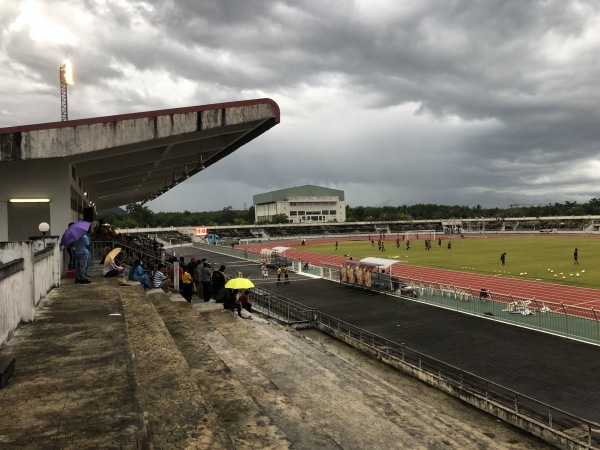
(545, 258)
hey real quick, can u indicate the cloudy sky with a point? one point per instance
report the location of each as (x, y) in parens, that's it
(490, 102)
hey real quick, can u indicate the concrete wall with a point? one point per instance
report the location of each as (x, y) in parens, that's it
(111, 132)
(268, 210)
(46, 179)
(28, 271)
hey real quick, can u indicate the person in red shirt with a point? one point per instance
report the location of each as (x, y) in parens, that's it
(245, 301)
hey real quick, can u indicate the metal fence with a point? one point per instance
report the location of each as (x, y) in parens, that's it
(551, 424)
(476, 390)
(228, 251)
(282, 309)
(555, 318)
(100, 247)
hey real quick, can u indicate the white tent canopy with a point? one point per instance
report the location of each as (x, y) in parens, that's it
(381, 262)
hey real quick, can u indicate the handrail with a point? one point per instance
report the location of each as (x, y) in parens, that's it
(11, 267)
(553, 418)
(98, 246)
(551, 317)
(493, 394)
(556, 318)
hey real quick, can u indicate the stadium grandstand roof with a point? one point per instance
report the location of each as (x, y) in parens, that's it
(136, 157)
(307, 190)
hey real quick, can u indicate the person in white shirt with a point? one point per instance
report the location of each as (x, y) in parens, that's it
(160, 280)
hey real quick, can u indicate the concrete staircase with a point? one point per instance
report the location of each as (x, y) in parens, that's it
(209, 379)
(110, 366)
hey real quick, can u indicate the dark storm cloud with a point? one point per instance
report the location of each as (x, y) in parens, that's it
(450, 101)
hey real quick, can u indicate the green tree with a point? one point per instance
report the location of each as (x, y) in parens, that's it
(280, 218)
(249, 215)
(141, 215)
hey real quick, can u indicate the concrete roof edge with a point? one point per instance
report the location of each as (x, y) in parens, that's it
(141, 115)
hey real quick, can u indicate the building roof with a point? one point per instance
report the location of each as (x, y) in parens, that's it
(136, 157)
(308, 190)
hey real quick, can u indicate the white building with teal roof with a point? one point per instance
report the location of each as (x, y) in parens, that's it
(301, 204)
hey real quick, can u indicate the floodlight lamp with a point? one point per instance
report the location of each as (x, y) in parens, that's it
(67, 72)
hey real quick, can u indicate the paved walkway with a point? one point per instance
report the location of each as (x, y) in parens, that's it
(109, 366)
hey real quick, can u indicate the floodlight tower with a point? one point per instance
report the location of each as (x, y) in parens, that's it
(65, 74)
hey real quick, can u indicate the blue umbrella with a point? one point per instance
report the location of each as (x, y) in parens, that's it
(74, 232)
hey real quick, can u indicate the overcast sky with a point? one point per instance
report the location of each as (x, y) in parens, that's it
(490, 102)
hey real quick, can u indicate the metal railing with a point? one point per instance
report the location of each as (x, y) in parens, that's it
(282, 308)
(228, 251)
(556, 318)
(132, 253)
(548, 422)
(478, 391)
(297, 265)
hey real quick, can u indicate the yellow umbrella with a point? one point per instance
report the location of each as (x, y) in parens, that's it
(112, 255)
(239, 283)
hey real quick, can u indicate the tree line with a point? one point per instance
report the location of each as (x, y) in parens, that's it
(136, 215)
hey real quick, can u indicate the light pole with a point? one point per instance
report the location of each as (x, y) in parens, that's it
(43, 227)
(65, 75)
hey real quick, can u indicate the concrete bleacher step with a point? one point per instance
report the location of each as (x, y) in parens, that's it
(245, 421)
(73, 385)
(174, 408)
(353, 406)
(257, 372)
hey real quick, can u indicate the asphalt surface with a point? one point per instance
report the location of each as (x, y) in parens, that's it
(560, 372)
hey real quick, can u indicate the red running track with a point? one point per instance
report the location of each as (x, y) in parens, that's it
(547, 292)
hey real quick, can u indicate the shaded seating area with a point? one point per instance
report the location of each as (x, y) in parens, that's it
(173, 237)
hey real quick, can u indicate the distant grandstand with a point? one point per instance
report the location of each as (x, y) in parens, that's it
(519, 225)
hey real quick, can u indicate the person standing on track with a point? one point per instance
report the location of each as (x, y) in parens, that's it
(264, 271)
